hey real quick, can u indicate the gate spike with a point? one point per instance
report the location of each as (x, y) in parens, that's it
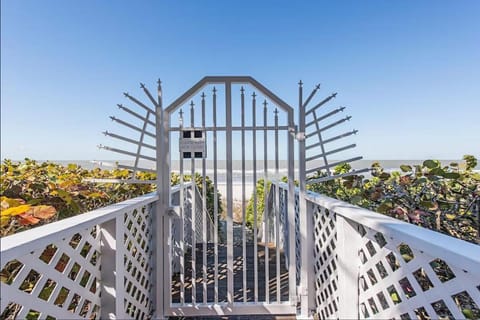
(214, 90)
(321, 103)
(351, 173)
(127, 110)
(265, 103)
(149, 95)
(331, 113)
(242, 90)
(254, 95)
(314, 91)
(331, 125)
(138, 102)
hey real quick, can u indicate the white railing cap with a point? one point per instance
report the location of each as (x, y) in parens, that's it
(462, 254)
(23, 242)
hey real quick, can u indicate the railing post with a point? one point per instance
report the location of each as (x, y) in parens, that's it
(348, 241)
(112, 287)
(162, 281)
(306, 290)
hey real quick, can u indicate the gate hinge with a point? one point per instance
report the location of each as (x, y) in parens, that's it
(300, 136)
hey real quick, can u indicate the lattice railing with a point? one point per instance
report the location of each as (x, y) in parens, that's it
(369, 265)
(98, 264)
(398, 269)
(176, 224)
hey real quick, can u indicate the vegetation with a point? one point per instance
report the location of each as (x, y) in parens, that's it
(445, 199)
(35, 193)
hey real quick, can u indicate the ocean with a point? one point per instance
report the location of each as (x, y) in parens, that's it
(388, 165)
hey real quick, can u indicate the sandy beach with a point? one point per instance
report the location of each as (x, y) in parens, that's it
(237, 191)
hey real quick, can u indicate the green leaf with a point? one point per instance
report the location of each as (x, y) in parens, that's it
(451, 175)
(438, 172)
(384, 176)
(468, 313)
(406, 168)
(430, 164)
(394, 297)
(427, 204)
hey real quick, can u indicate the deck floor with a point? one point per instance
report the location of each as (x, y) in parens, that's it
(238, 266)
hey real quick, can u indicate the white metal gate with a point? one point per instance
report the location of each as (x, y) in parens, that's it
(245, 260)
(235, 131)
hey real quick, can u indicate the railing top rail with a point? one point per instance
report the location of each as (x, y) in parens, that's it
(27, 241)
(24, 242)
(461, 253)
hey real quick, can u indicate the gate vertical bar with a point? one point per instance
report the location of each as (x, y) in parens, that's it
(182, 223)
(204, 208)
(277, 208)
(228, 106)
(292, 274)
(215, 196)
(194, 214)
(244, 245)
(255, 227)
(161, 205)
(265, 197)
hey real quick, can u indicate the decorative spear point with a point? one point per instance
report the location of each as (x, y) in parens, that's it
(214, 90)
(119, 105)
(265, 103)
(113, 118)
(275, 111)
(342, 108)
(317, 87)
(100, 146)
(355, 131)
(105, 132)
(348, 118)
(300, 83)
(242, 90)
(254, 95)
(192, 104)
(203, 95)
(159, 82)
(142, 85)
(334, 94)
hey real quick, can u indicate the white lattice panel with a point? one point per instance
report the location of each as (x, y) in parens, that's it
(397, 280)
(298, 244)
(59, 281)
(138, 271)
(283, 220)
(325, 262)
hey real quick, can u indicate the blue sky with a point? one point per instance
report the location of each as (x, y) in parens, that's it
(409, 71)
